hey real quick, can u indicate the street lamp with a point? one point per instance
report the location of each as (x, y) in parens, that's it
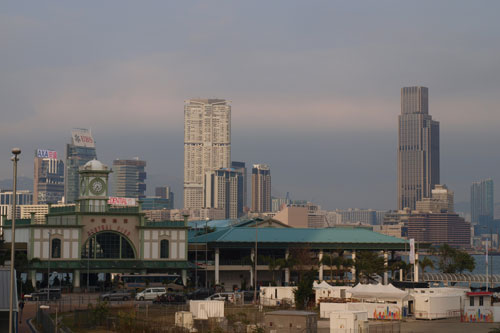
(48, 271)
(15, 158)
(206, 253)
(255, 265)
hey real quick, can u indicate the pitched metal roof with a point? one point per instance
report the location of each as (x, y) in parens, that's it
(298, 235)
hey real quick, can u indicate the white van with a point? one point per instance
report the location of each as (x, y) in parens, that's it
(150, 293)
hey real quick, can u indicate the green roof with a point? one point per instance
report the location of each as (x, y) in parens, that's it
(329, 237)
(162, 224)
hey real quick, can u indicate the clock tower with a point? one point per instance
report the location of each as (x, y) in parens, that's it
(93, 187)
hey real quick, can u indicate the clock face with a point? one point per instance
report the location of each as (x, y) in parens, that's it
(97, 186)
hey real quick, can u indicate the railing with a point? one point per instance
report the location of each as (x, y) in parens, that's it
(64, 209)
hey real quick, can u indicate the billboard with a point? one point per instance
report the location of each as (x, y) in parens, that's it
(412, 251)
(115, 201)
(44, 153)
(82, 137)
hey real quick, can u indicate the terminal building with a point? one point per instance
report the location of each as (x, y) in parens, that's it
(95, 237)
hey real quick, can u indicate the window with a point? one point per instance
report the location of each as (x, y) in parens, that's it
(471, 301)
(164, 249)
(481, 301)
(56, 248)
(108, 245)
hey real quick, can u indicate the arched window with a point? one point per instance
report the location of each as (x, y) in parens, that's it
(108, 245)
(164, 249)
(56, 248)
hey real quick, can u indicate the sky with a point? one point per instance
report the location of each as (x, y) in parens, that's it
(314, 86)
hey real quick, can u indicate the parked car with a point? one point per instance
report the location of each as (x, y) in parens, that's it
(201, 293)
(227, 297)
(116, 295)
(41, 295)
(150, 294)
(170, 298)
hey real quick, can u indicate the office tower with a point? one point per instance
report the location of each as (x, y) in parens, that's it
(418, 148)
(207, 144)
(129, 177)
(48, 181)
(165, 192)
(441, 200)
(240, 166)
(78, 152)
(224, 190)
(261, 188)
(356, 215)
(23, 197)
(439, 229)
(481, 203)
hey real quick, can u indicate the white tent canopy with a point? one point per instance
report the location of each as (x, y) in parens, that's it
(377, 291)
(323, 285)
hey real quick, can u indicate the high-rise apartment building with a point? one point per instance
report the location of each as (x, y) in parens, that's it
(482, 202)
(240, 167)
(418, 148)
(441, 201)
(48, 181)
(129, 178)
(207, 144)
(261, 188)
(165, 192)
(78, 152)
(224, 190)
(23, 197)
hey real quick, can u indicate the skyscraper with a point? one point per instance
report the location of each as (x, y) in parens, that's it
(78, 152)
(207, 144)
(418, 148)
(165, 192)
(129, 177)
(224, 190)
(48, 181)
(481, 203)
(261, 188)
(240, 166)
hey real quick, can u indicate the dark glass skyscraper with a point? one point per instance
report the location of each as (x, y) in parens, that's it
(240, 166)
(78, 152)
(48, 181)
(129, 178)
(481, 203)
(418, 148)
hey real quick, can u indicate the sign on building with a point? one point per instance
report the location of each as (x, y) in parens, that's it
(115, 201)
(82, 137)
(44, 153)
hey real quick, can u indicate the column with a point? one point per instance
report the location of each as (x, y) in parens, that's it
(32, 277)
(415, 268)
(287, 270)
(386, 266)
(400, 274)
(320, 258)
(184, 277)
(251, 277)
(217, 281)
(76, 280)
(353, 269)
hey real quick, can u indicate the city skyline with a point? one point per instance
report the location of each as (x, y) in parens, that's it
(294, 89)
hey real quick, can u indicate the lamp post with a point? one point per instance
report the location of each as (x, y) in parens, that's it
(48, 271)
(16, 152)
(255, 266)
(206, 253)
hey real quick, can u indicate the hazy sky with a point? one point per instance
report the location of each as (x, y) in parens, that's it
(314, 85)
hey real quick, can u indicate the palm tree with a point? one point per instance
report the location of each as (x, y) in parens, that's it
(329, 260)
(426, 262)
(273, 265)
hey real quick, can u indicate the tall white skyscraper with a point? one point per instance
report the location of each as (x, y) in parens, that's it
(207, 144)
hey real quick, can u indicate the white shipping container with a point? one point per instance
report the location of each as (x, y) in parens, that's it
(184, 319)
(272, 296)
(206, 309)
(428, 306)
(348, 321)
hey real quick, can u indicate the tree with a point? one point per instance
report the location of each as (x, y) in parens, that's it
(396, 265)
(426, 262)
(453, 260)
(273, 265)
(304, 291)
(368, 263)
(302, 260)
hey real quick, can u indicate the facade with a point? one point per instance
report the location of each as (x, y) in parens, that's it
(441, 201)
(207, 144)
(129, 178)
(240, 166)
(78, 152)
(440, 228)
(418, 148)
(165, 192)
(48, 180)
(94, 237)
(155, 203)
(224, 190)
(261, 188)
(396, 223)
(482, 203)
(23, 197)
(356, 215)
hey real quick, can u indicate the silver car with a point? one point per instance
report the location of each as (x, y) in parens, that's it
(116, 295)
